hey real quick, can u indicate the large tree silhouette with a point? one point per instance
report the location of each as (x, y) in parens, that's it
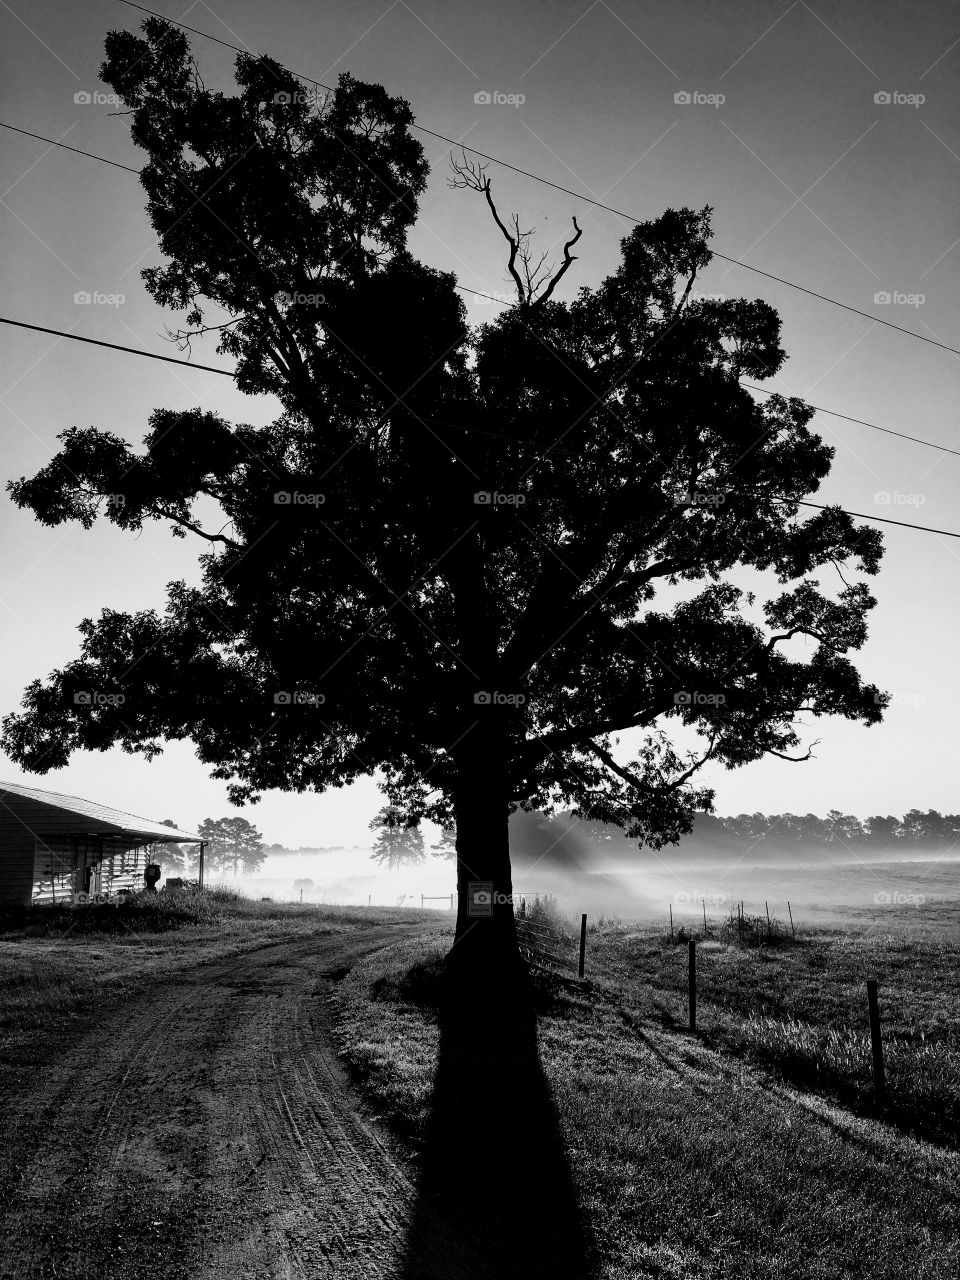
(465, 558)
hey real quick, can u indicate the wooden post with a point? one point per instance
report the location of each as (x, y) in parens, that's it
(369, 896)
(523, 908)
(792, 927)
(879, 1083)
(671, 921)
(202, 849)
(692, 983)
(451, 902)
(583, 944)
(767, 905)
(301, 897)
(421, 902)
(704, 917)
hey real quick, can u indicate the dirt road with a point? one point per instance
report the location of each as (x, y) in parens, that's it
(208, 1132)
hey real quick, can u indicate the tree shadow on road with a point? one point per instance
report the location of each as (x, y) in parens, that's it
(495, 1194)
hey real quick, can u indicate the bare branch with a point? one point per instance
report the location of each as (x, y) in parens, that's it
(794, 759)
(472, 176)
(568, 258)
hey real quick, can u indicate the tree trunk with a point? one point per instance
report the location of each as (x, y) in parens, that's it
(485, 952)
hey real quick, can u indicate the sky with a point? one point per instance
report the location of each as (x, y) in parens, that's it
(825, 137)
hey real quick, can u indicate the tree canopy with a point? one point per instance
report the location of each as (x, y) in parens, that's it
(466, 558)
(232, 843)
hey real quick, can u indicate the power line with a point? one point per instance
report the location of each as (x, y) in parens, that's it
(53, 143)
(138, 351)
(859, 515)
(492, 298)
(115, 346)
(766, 391)
(576, 195)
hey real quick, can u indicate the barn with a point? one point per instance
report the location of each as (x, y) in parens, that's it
(53, 846)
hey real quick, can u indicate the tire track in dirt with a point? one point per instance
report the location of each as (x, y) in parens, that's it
(207, 1131)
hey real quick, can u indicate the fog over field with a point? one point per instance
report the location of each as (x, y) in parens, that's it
(643, 885)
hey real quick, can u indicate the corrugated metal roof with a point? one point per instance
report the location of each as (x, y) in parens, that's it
(11, 792)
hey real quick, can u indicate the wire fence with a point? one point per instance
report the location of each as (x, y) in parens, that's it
(545, 938)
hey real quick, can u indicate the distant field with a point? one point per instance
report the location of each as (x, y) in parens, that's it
(850, 892)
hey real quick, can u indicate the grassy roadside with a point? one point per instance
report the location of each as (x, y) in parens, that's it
(801, 1009)
(688, 1161)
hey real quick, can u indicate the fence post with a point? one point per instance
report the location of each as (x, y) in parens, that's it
(879, 1083)
(421, 902)
(369, 896)
(451, 902)
(671, 921)
(583, 944)
(767, 906)
(792, 927)
(704, 917)
(692, 983)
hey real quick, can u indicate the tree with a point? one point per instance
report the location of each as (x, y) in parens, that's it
(172, 858)
(232, 842)
(399, 839)
(843, 828)
(882, 830)
(466, 559)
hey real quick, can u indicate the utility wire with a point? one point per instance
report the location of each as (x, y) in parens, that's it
(137, 351)
(77, 150)
(942, 448)
(576, 195)
(114, 346)
(766, 391)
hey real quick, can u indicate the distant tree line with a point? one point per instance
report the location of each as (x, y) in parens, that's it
(232, 844)
(932, 830)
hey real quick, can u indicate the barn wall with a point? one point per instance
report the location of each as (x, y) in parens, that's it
(31, 827)
(16, 859)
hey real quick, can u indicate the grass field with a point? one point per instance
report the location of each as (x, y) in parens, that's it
(751, 1149)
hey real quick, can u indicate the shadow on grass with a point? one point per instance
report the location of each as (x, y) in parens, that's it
(495, 1195)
